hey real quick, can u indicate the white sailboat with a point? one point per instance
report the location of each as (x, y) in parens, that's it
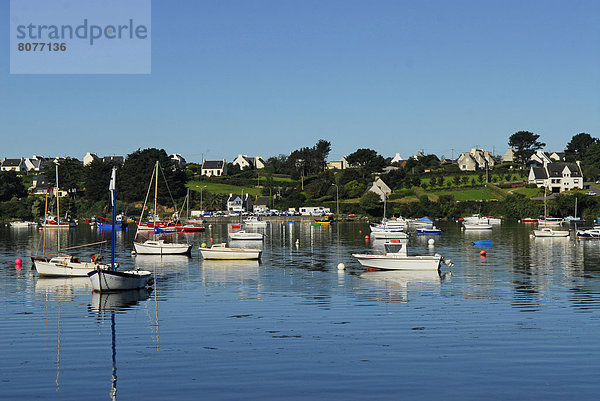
(158, 246)
(62, 265)
(222, 252)
(107, 280)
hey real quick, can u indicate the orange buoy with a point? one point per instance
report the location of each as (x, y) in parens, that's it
(482, 253)
(366, 237)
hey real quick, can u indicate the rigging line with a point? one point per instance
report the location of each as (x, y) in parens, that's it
(82, 246)
(168, 189)
(144, 207)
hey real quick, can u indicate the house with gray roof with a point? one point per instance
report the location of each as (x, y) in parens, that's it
(17, 165)
(557, 177)
(214, 168)
(476, 159)
(380, 188)
(245, 161)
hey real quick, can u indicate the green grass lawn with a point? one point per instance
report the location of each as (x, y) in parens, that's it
(218, 188)
(466, 194)
(528, 192)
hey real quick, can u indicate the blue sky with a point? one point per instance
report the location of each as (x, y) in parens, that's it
(267, 77)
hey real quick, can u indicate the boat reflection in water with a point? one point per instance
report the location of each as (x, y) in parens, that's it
(105, 305)
(162, 266)
(61, 285)
(248, 244)
(116, 301)
(399, 283)
(218, 272)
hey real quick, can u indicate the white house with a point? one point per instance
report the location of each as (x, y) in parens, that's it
(237, 203)
(557, 177)
(380, 188)
(476, 159)
(397, 159)
(89, 158)
(261, 204)
(339, 164)
(13, 165)
(245, 161)
(35, 163)
(178, 160)
(509, 156)
(214, 168)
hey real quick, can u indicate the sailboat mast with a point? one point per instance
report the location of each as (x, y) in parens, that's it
(155, 197)
(45, 221)
(57, 214)
(113, 201)
(545, 208)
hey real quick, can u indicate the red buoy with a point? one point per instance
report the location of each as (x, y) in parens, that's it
(366, 237)
(482, 253)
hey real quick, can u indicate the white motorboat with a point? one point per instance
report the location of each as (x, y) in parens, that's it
(396, 258)
(160, 247)
(477, 226)
(110, 279)
(389, 234)
(22, 224)
(66, 266)
(244, 235)
(253, 221)
(590, 233)
(222, 252)
(475, 219)
(550, 221)
(549, 232)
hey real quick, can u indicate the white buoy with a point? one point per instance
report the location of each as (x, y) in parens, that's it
(341, 266)
(210, 226)
(297, 242)
(431, 241)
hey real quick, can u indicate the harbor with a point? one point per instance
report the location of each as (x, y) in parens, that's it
(520, 320)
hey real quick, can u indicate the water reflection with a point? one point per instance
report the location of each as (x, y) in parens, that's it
(163, 265)
(63, 287)
(249, 244)
(118, 301)
(221, 272)
(398, 284)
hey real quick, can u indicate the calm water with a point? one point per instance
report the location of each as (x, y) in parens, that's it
(522, 323)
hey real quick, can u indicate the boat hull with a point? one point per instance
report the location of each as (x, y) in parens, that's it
(478, 226)
(162, 248)
(393, 262)
(551, 233)
(108, 280)
(389, 235)
(64, 267)
(230, 254)
(246, 236)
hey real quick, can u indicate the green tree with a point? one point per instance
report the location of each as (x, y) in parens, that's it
(354, 188)
(137, 171)
(11, 186)
(525, 144)
(367, 160)
(456, 180)
(97, 178)
(371, 203)
(577, 148)
(70, 175)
